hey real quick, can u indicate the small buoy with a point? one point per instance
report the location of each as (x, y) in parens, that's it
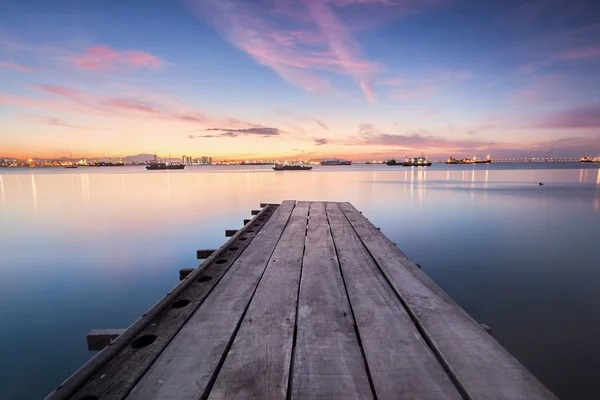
(541, 184)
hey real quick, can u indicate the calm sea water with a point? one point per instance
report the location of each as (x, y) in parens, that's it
(94, 248)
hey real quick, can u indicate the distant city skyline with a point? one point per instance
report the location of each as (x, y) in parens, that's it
(280, 79)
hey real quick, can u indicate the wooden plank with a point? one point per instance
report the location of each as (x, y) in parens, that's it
(113, 372)
(328, 362)
(203, 254)
(476, 361)
(255, 212)
(230, 232)
(400, 363)
(258, 363)
(187, 368)
(98, 339)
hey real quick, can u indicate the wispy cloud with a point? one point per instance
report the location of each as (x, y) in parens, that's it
(155, 107)
(321, 124)
(321, 142)
(57, 122)
(260, 131)
(105, 58)
(17, 67)
(318, 39)
(585, 116)
(426, 86)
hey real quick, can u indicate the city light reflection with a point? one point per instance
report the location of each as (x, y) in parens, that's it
(3, 196)
(34, 193)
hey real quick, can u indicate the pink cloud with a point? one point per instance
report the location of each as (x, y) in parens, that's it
(127, 107)
(9, 65)
(428, 86)
(57, 122)
(104, 58)
(543, 89)
(592, 52)
(586, 116)
(319, 41)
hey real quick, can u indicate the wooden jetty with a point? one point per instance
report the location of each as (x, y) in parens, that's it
(308, 300)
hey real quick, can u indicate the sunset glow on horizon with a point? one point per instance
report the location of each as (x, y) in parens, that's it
(279, 79)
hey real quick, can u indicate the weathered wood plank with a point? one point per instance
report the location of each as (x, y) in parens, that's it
(113, 372)
(203, 254)
(258, 363)
(98, 339)
(328, 362)
(255, 212)
(188, 366)
(230, 232)
(483, 368)
(400, 363)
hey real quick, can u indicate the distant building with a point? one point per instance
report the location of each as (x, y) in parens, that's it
(210, 160)
(183, 159)
(204, 160)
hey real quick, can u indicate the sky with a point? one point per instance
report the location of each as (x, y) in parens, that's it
(241, 79)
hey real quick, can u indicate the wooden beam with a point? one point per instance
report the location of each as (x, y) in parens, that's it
(184, 272)
(98, 339)
(247, 221)
(255, 212)
(230, 232)
(203, 254)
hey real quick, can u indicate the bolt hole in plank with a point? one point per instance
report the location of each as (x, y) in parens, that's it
(88, 398)
(180, 303)
(204, 278)
(249, 231)
(243, 238)
(221, 261)
(143, 341)
(233, 248)
(255, 225)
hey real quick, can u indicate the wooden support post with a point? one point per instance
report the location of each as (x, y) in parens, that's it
(246, 221)
(203, 254)
(100, 338)
(230, 232)
(184, 272)
(255, 212)
(262, 205)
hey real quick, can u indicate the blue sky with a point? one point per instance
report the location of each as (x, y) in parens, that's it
(364, 79)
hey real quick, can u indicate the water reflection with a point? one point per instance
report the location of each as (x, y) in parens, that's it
(34, 194)
(3, 196)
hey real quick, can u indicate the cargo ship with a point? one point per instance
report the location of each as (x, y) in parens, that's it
(164, 166)
(587, 159)
(291, 167)
(411, 162)
(452, 160)
(161, 166)
(335, 161)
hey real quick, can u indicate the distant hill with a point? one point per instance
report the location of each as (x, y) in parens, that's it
(138, 158)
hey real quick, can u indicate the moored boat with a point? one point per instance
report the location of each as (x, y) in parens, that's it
(586, 159)
(452, 160)
(335, 161)
(291, 167)
(164, 166)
